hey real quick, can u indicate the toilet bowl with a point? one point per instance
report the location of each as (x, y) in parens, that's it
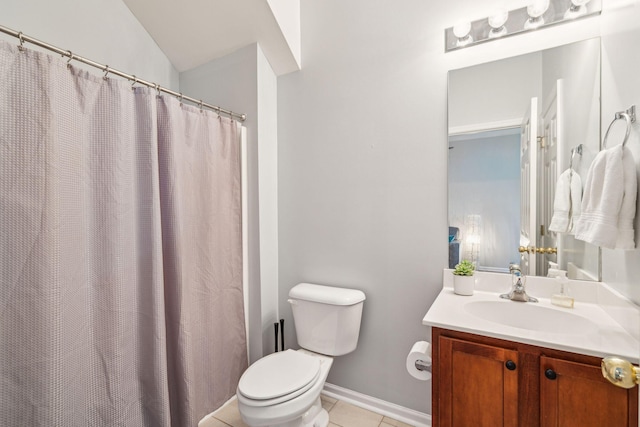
(283, 388)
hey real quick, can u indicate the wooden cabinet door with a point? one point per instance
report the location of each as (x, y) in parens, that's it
(576, 395)
(478, 385)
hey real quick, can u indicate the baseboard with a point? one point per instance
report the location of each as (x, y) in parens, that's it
(391, 410)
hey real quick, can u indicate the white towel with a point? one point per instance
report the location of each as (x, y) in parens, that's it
(628, 209)
(567, 201)
(602, 200)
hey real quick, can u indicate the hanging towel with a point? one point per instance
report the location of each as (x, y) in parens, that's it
(567, 201)
(628, 209)
(602, 200)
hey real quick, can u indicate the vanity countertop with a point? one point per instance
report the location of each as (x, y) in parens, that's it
(588, 328)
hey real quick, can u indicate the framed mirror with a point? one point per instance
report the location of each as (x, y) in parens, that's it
(518, 130)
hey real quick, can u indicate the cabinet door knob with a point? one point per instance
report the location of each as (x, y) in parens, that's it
(551, 374)
(511, 365)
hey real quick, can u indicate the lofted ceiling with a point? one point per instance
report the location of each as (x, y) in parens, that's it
(194, 32)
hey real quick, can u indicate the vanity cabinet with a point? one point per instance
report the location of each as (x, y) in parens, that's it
(486, 382)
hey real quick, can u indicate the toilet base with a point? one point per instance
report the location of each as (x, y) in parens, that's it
(316, 416)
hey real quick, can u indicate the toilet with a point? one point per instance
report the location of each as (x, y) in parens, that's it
(283, 388)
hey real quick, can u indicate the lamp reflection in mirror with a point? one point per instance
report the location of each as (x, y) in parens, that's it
(536, 11)
(472, 237)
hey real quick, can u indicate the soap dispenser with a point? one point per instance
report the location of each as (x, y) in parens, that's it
(562, 299)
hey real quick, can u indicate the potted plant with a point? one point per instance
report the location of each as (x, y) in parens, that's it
(463, 281)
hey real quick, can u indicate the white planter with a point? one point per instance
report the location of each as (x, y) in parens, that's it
(463, 285)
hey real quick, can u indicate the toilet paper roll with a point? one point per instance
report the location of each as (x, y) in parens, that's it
(421, 350)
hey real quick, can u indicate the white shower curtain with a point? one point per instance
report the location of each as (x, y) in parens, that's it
(120, 257)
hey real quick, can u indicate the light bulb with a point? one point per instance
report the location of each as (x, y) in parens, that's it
(535, 11)
(462, 32)
(577, 9)
(496, 22)
(537, 8)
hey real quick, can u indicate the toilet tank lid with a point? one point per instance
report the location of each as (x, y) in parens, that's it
(326, 294)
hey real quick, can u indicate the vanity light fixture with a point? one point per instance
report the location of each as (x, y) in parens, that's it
(504, 23)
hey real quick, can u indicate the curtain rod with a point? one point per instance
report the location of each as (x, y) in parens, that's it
(108, 70)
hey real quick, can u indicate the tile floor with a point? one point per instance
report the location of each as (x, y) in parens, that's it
(341, 414)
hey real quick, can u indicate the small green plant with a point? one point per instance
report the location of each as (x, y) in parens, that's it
(464, 268)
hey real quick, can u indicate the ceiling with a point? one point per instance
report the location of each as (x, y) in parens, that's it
(194, 32)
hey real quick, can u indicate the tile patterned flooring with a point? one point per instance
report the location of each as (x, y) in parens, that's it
(341, 414)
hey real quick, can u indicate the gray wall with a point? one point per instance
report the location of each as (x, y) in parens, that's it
(362, 179)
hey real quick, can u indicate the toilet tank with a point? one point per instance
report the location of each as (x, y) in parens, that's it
(326, 318)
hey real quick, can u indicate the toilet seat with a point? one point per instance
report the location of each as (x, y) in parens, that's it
(279, 377)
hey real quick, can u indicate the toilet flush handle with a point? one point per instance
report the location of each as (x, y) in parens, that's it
(292, 301)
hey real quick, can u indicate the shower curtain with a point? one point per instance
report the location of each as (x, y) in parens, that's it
(120, 251)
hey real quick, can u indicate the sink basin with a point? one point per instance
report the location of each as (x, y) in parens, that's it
(525, 315)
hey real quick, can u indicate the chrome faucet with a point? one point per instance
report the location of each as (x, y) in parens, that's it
(518, 291)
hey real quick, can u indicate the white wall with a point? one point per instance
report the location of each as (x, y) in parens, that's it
(287, 14)
(244, 82)
(102, 30)
(268, 177)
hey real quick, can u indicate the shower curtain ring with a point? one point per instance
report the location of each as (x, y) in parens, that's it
(106, 72)
(70, 54)
(180, 99)
(21, 47)
(157, 86)
(200, 105)
(135, 80)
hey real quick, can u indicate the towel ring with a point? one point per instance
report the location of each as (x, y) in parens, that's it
(629, 116)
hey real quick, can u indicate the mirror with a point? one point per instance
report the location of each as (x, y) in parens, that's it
(515, 126)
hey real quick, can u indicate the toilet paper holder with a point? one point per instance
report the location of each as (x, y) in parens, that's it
(422, 365)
